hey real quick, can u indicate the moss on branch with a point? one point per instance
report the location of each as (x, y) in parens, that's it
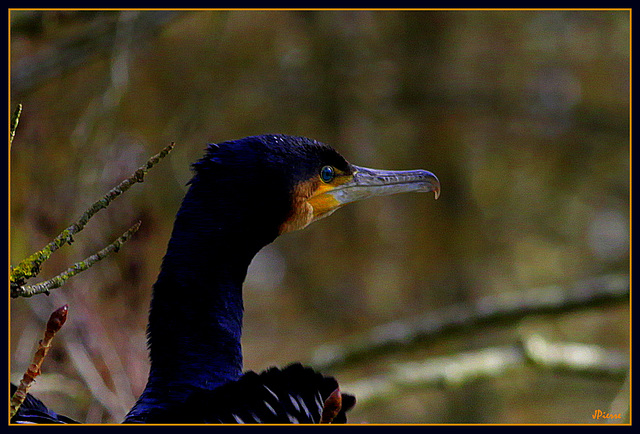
(59, 280)
(30, 267)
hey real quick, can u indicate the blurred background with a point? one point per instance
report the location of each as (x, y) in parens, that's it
(504, 301)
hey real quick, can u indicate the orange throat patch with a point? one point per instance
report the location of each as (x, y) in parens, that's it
(311, 201)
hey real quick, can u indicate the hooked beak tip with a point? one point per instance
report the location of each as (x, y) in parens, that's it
(432, 184)
(436, 188)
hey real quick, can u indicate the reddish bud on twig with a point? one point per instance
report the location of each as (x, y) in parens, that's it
(57, 319)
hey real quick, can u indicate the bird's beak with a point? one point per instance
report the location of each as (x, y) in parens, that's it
(373, 182)
(315, 199)
(365, 183)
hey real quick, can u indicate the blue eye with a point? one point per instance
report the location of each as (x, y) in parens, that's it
(327, 173)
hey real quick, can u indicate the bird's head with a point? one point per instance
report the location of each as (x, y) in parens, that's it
(291, 182)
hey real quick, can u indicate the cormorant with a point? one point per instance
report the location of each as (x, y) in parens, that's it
(244, 194)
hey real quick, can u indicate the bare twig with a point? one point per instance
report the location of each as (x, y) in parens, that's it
(56, 321)
(30, 266)
(60, 279)
(15, 118)
(82, 356)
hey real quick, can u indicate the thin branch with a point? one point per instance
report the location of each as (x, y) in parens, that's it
(15, 118)
(30, 267)
(500, 308)
(56, 321)
(457, 369)
(59, 280)
(81, 354)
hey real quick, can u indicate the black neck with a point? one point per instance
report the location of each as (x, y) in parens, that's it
(195, 320)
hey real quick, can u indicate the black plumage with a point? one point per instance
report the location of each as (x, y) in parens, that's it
(295, 394)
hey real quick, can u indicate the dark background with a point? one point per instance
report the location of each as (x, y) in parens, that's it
(523, 115)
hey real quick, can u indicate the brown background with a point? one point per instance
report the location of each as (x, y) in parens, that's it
(523, 115)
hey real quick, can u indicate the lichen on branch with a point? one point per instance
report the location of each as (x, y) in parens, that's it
(30, 267)
(59, 280)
